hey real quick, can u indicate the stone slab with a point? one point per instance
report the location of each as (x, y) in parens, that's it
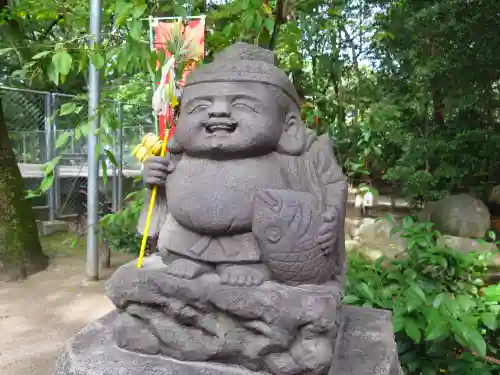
(46, 228)
(367, 348)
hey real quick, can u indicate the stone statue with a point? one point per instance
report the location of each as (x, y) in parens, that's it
(252, 194)
(250, 225)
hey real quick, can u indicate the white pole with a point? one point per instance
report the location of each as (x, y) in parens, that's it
(93, 158)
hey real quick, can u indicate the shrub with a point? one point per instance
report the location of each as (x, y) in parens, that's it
(445, 319)
(120, 228)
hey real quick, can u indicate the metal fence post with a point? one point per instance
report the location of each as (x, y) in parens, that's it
(114, 171)
(57, 180)
(120, 158)
(23, 134)
(93, 158)
(49, 150)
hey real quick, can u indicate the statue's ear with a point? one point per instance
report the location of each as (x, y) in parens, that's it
(293, 139)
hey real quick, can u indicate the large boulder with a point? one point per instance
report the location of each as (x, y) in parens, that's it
(494, 201)
(367, 347)
(460, 215)
(467, 245)
(374, 239)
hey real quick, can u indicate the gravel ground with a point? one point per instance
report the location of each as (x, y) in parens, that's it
(38, 315)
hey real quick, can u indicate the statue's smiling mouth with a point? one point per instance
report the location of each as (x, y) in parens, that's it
(220, 127)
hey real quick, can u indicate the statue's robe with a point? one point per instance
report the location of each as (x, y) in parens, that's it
(318, 154)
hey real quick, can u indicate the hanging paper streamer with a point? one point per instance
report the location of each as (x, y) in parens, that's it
(191, 49)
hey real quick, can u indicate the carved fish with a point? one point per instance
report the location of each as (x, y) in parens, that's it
(286, 224)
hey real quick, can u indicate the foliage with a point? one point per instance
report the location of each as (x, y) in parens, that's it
(442, 312)
(120, 228)
(408, 90)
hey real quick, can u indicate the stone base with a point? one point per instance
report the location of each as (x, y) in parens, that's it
(367, 348)
(46, 228)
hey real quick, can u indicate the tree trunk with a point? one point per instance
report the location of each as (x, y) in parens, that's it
(20, 250)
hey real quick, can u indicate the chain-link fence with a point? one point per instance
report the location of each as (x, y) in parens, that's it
(35, 120)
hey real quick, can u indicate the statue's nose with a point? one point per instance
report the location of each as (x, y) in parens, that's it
(219, 108)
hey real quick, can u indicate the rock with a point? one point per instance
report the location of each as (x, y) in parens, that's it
(367, 347)
(467, 245)
(367, 221)
(460, 215)
(351, 245)
(372, 255)
(313, 355)
(494, 195)
(367, 335)
(494, 201)
(374, 235)
(135, 335)
(202, 320)
(282, 364)
(350, 226)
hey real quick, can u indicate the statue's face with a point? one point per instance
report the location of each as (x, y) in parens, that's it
(229, 118)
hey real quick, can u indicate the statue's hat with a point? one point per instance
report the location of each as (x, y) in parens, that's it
(242, 62)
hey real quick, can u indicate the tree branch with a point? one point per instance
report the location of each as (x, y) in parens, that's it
(52, 25)
(278, 21)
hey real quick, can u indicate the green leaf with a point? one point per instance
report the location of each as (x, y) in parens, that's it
(41, 55)
(350, 299)
(269, 25)
(465, 302)
(63, 139)
(62, 62)
(4, 51)
(489, 320)
(365, 291)
(407, 222)
(418, 292)
(492, 235)
(67, 108)
(97, 59)
(46, 183)
(53, 74)
(178, 9)
(429, 370)
(111, 157)
(136, 30)
(437, 301)
(138, 10)
(437, 328)
(476, 342)
(412, 303)
(412, 330)
(398, 322)
(51, 165)
(104, 171)
(122, 10)
(492, 293)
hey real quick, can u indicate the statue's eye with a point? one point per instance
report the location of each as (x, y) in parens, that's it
(243, 105)
(198, 107)
(273, 234)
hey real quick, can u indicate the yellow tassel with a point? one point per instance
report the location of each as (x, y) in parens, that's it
(150, 210)
(150, 145)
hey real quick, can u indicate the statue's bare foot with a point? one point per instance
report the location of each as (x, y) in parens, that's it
(243, 275)
(187, 268)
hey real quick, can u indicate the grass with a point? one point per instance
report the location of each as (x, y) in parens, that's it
(64, 244)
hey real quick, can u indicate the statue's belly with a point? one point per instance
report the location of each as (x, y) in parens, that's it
(216, 197)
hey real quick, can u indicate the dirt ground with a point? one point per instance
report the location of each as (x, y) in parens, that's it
(38, 315)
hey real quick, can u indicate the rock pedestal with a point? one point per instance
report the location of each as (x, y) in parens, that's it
(165, 326)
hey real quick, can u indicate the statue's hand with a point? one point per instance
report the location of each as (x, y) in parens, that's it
(156, 170)
(327, 232)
